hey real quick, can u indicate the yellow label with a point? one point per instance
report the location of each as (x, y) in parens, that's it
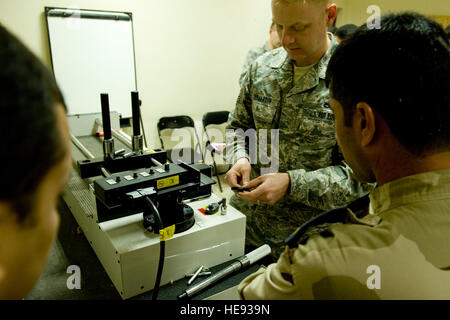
(167, 233)
(167, 182)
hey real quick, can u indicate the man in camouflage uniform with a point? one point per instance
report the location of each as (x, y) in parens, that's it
(393, 244)
(254, 53)
(285, 90)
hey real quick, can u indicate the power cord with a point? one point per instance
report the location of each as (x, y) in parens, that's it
(162, 247)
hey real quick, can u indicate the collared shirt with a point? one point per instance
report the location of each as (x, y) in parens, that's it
(299, 72)
(399, 250)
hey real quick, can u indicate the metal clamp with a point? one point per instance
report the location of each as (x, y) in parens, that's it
(223, 206)
(108, 148)
(138, 144)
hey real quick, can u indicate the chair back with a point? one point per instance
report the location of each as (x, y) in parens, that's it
(215, 117)
(172, 133)
(214, 130)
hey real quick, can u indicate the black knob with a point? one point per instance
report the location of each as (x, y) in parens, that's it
(151, 171)
(118, 179)
(135, 175)
(167, 167)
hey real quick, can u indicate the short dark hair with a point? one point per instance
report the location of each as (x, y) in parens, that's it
(345, 31)
(31, 140)
(332, 29)
(402, 70)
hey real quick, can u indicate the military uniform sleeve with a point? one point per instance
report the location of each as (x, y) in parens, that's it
(271, 283)
(328, 187)
(239, 120)
(292, 277)
(248, 60)
(329, 265)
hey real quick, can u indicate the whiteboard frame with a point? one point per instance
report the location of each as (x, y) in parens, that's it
(94, 14)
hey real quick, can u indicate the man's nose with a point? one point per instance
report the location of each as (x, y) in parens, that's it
(287, 38)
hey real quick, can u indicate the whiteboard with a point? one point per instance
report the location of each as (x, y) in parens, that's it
(92, 52)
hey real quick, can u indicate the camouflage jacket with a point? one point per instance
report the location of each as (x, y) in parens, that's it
(307, 146)
(252, 55)
(303, 145)
(398, 249)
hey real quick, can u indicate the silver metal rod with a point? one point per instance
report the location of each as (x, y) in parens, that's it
(82, 147)
(77, 13)
(117, 133)
(214, 278)
(242, 261)
(201, 274)
(122, 138)
(195, 275)
(105, 172)
(156, 162)
(129, 139)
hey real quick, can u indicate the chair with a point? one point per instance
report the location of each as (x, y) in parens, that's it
(216, 145)
(180, 127)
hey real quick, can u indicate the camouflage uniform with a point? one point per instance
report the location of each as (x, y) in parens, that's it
(405, 233)
(252, 55)
(307, 146)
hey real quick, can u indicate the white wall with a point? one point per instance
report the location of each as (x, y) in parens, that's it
(355, 11)
(189, 53)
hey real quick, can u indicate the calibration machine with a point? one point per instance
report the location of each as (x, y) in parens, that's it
(129, 200)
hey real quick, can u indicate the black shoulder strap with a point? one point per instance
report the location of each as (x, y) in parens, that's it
(333, 216)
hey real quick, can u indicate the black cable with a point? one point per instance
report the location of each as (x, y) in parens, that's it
(162, 252)
(162, 248)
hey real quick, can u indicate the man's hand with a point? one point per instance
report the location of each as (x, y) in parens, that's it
(267, 189)
(239, 174)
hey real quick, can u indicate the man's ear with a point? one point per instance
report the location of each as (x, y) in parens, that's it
(331, 14)
(365, 123)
